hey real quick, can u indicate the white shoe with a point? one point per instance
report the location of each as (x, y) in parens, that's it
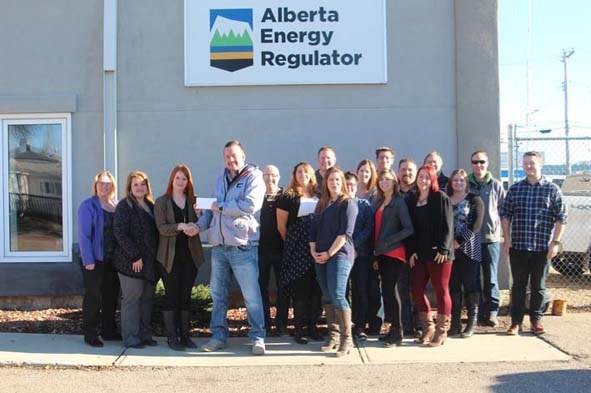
(213, 345)
(258, 347)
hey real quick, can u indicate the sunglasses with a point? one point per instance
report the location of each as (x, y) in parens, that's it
(476, 162)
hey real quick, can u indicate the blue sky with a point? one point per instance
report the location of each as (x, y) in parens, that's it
(555, 25)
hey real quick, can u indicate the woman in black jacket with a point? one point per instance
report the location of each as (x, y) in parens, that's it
(392, 226)
(135, 259)
(431, 254)
(468, 212)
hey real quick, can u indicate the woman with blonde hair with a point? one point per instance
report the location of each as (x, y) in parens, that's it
(179, 254)
(297, 274)
(331, 246)
(97, 243)
(135, 259)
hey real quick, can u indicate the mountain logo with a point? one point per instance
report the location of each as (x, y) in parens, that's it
(230, 47)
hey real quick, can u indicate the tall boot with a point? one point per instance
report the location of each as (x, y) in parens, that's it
(456, 314)
(346, 339)
(332, 342)
(170, 327)
(441, 328)
(428, 327)
(299, 316)
(472, 300)
(186, 329)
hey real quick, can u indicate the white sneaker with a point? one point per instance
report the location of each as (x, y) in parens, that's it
(213, 345)
(258, 347)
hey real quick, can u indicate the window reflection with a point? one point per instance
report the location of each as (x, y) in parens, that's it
(35, 187)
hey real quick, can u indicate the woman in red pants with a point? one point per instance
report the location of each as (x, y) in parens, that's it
(431, 254)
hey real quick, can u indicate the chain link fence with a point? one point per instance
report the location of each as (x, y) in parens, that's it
(567, 162)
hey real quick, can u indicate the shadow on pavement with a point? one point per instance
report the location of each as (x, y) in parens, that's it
(571, 381)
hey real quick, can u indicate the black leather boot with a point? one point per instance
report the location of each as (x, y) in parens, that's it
(186, 330)
(170, 327)
(472, 300)
(299, 316)
(456, 314)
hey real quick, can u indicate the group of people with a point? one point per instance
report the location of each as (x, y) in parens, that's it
(334, 239)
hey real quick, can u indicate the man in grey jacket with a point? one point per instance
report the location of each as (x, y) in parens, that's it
(492, 194)
(233, 232)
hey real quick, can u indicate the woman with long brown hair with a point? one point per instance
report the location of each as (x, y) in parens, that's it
(135, 259)
(331, 246)
(392, 226)
(432, 253)
(297, 274)
(367, 175)
(179, 254)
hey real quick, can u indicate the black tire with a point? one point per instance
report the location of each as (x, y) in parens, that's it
(569, 265)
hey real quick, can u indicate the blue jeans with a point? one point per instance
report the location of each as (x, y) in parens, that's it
(333, 277)
(489, 303)
(243, 263)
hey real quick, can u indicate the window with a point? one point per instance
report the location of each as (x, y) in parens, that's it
(36, 188)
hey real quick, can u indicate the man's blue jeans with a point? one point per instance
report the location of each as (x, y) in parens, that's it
(333, 277)
(489, 305)
(243, 263)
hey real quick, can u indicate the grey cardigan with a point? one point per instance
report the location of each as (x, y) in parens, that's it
(396, 226)
(164, 216)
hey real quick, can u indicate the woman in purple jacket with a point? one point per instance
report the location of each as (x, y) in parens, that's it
(97, 243)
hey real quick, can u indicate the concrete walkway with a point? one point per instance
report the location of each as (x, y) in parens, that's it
(69, 350)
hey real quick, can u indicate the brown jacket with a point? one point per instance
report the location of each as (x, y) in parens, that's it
(164, 216)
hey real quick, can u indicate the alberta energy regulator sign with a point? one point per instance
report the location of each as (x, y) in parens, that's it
(284, 42)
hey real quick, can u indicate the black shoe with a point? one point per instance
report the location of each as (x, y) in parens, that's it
(393, 342)
(112, 337)
(150, 342)
(187, 342)
(300, 339)
(94, 342)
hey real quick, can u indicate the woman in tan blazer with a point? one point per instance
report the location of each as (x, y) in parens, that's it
(179, 254)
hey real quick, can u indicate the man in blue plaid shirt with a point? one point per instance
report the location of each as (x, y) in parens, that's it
(533, 218)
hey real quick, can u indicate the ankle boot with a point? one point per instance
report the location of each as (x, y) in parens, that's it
(441, 328)
(346, 339)
(186, 330)
(332, 342)
(170, 327)
(299, 316)
(472, 300)
(456, 314)
(428, 327)
(395, 336)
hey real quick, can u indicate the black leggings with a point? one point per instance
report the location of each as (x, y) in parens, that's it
(178, 284)
(101, 293)
(390, 270)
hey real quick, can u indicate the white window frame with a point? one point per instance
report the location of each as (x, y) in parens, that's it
(65, 255)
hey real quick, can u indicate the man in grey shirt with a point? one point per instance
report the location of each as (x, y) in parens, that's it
(492, 194)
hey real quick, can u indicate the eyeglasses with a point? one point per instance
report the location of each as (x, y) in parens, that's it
(476, 162)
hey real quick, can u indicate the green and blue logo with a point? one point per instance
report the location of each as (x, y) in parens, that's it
(230, 47)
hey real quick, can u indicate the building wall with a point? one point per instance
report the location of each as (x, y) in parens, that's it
(442, 93)
(281, 124)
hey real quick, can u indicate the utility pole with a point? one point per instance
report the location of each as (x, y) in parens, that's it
(565, 57)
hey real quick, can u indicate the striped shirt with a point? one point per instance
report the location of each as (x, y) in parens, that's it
(533, 210)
